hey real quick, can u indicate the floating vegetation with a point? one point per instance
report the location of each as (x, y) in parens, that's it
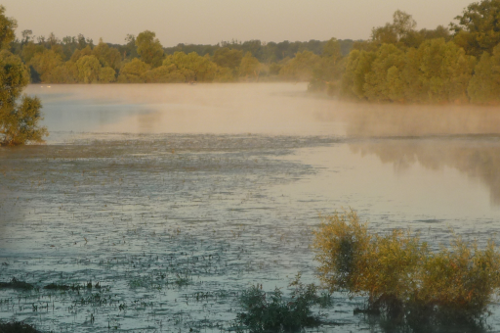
(17, 327)
(16, 284)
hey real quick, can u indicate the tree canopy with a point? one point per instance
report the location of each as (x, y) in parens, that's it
(478, 28)
(18, 119)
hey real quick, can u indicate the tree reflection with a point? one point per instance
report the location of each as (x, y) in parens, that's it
(477, 157)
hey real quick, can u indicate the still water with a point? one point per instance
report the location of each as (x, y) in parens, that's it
(163, 193)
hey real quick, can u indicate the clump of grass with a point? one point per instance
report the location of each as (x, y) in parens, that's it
(275, 313)
(16, 284)
(17, 327)
(402, 277)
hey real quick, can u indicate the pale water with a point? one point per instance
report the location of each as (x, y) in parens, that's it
(175, 198)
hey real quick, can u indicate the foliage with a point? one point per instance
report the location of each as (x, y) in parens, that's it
(249, 66)
(478, 28)
(107, 56)
(328, 71)
(436, 72)
(399, 273)
(149, 48)
(45, 62)
(279, 314)
(17, 327)
(88, 69)
(133, 72)
(7, 27)
(226, 57)
(301, 67)
(192, 66)
(18, 122)
(484, 87)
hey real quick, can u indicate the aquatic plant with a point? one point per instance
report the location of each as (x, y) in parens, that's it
(278, 313)
(401, 276)
(17, 327)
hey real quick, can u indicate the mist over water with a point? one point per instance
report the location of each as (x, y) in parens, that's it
(183, 108)
(139, 184)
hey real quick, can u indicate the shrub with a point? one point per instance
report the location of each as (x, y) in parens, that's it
(278, 314)
(401, 276)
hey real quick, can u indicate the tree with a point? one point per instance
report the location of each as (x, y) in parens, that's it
(133, 72)
(44, 63)
(249, 66)
(401, 31)
(7, 27)
(88, 69)
(478, 29)
(382, 82)
(300, 68)
(107, 75)
(484, 87)
(107, 56)
(226, 57)
(192, 66)
(18, 121)
(149, 48)
(328, 70)
(358, 65)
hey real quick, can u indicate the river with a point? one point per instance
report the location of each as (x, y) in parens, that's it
(162, 193)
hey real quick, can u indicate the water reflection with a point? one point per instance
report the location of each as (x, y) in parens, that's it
(364, 120)
(477, 157)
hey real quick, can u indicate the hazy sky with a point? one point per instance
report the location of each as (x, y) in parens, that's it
(211, 21)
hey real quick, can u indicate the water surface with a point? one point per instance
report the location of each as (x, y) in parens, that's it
(177, 197)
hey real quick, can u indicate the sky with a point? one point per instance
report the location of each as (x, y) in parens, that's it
(213, 21)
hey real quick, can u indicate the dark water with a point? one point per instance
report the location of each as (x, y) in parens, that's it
(177, 197)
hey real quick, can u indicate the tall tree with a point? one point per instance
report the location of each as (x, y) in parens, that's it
(249, 66)
(484, 87)
(107, 56)
(478, 28)
(19, 121)
(149, 48)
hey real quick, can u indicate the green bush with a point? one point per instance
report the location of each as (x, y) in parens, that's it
(401, 276)
(274, 313)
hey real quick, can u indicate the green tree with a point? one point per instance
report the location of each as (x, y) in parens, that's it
(44, 63)
(80, 53)
(149, 48)
(300, 67)
(226, 57)
(107, 75)
(478, 29)
(328, 70)
(445, 71)
(30, 49)
(193, 66)
(484, 87)
(133, 72)
(107, 56)
(382, 83)
(7, 28)
(65, 73)
(19, 121)
(249, 66)
(88, 69)
(358, 65)
(400, 32)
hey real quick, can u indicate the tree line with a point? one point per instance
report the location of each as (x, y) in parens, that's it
(402, 64)
(399, 63)
(142, 59)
